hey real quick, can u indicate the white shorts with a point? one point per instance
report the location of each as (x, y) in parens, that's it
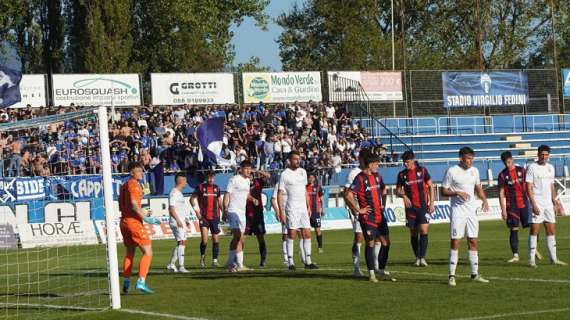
(298, 220)
(355, 224)
(546, 215)
(236, 221)
(179, 233)
(462, 222)
(284, 229)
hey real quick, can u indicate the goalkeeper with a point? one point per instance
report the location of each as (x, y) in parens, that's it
(132, 229)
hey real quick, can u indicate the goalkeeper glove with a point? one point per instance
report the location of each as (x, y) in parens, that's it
(151, 220)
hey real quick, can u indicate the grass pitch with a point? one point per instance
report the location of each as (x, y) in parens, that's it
(515, 291)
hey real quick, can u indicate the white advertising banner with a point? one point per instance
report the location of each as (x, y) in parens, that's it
(279, 87)
(378, 85)
(96, 89)
(192, 88)
(32, 90)
(53, 234)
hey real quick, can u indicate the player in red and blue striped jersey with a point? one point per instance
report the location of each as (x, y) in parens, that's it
(207, 203)
(255, 222)
(370, 192)
(513, 198)
(414, 185)
(316, 206)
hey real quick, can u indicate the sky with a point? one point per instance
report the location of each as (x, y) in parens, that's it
(250, 40)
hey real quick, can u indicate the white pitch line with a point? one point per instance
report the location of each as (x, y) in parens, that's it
(561, 281)
(504, 315)
(159, 314)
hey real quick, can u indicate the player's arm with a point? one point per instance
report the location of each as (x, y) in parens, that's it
(226, 204)
(281, 204)
(264, 175)
(529, 187)
(447, 191)
(322, 202)
(503, 202)
(308, 202)
(352, 204)
(384, 194)
(481, 194)
(220, 206)
(195, 206)
(431, 195)
(275, 207)
(136, 198)
(402, 194)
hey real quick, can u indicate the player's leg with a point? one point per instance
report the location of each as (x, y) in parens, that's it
(239, 250)
(384, 239)
(423, 229)
(550, 229)
(514, 243)
(316, 225)
(284, 244)
(414, 236)
(305, 226)
(356, 243)
(532, 243)
(472, 235)
(457, 225)
(262, 248)
(291, 236)
(181, 254)
(234, 223)
(144, 266)
(369, 240)
(171, 266)
(215, 246)
(203, 244)
(128, 266)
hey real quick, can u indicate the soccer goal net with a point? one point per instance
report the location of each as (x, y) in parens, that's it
(55, 193)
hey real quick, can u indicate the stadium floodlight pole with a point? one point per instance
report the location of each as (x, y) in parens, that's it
(112, 259)
(393, 57)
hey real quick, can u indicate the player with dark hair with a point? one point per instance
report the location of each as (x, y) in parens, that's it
(207, 203)
(415, 187)
(542, 194)
(460, 184)
(370, 192)
(255, 221)
(179, 211)
(316, 207)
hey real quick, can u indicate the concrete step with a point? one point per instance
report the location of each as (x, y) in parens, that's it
(512, 138)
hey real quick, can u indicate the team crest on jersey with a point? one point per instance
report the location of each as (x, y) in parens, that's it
(519, 174)
(419, 174)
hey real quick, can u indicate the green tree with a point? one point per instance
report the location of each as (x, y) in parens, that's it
(252, 65)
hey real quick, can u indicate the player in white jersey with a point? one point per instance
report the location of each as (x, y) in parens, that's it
(542, 195)
(353, 216)
(295, 210)
(179, 210)
(235, 201)
(460, 183)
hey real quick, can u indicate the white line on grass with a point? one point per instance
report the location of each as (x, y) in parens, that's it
(505, 315)
(159, 314)
(562, 281)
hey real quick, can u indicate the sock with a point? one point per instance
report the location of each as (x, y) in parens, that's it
(422, 250)
(144, 266)
(532, 243)
(181, 249)
(551, 245)
(356, 255)
(262, 250)
(369, 256)
(203, 248)
(239, 259)
(307, 246)
(453, 258)
(174, 256)
(414, 242)
(231, 258)
(128, 265)
(474, 262)
(215, 250)
(514, 241)
(320, 240)
(377, 247)
(284, 250)
(383, 257)
(290, 251)
(302, 251)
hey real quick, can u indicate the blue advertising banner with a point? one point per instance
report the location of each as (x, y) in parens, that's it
(480, 89)
(566, 82)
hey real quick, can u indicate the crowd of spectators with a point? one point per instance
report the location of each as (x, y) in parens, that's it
(326, 136)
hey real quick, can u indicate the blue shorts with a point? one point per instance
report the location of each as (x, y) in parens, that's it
(371, 232)
(315, 220)
(517, 217)
(415, 217)
(211, 224)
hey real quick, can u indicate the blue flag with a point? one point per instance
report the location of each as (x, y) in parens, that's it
(211, 136)
(9, 87)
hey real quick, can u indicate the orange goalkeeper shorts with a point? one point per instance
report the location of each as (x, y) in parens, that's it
(134, 233)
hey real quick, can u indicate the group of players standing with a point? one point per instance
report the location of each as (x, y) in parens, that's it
(527, 197)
